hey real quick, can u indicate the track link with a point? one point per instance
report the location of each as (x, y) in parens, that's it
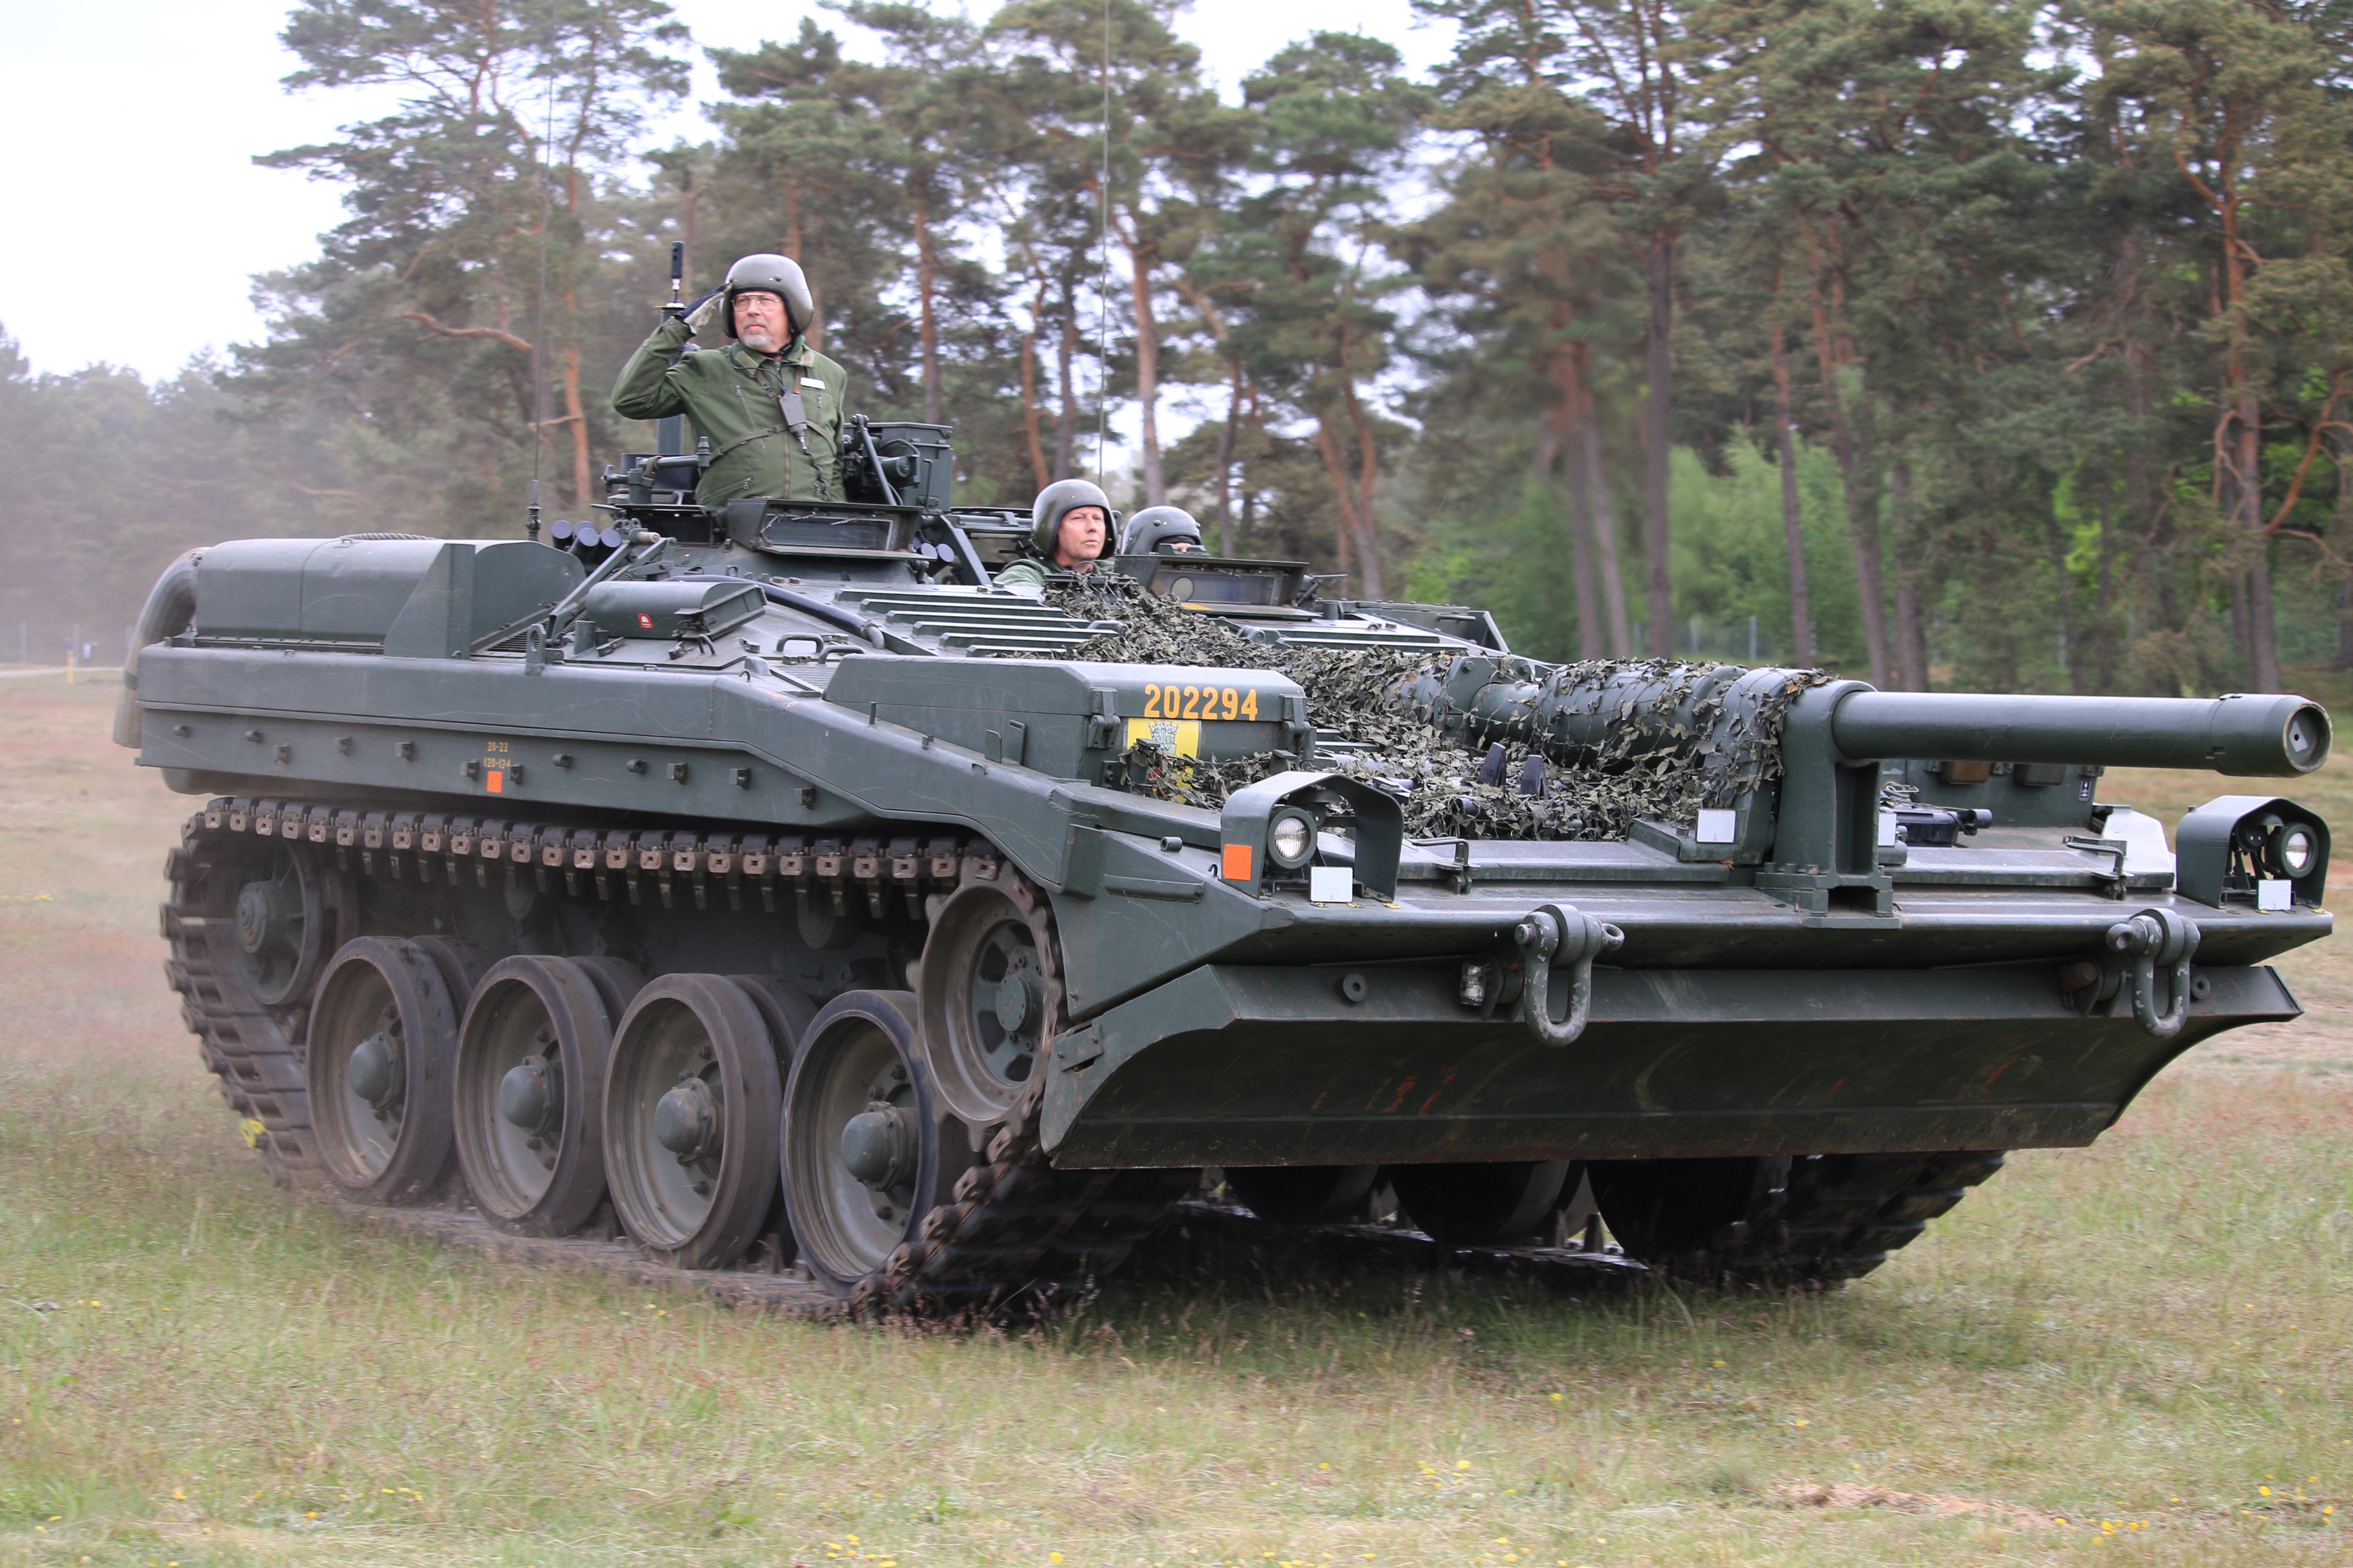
(253, 1051)
(1830, 1218)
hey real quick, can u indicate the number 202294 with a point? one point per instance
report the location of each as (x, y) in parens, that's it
(1199, 702)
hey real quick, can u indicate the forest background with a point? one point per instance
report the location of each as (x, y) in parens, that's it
(2004, 345)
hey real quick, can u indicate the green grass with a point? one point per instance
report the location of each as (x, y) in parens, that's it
(2144, 1333)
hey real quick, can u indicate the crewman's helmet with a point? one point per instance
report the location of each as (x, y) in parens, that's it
(778, 275)
(1160, 530)
(1058, 498)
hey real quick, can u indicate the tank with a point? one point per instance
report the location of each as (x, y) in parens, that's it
(768, 888)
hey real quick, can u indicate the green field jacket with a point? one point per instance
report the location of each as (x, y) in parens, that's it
(729, 395)
(1030, 571)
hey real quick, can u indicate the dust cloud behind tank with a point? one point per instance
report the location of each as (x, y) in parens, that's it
(764, 890)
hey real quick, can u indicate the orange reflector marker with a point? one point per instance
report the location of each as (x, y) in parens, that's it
(1237, 867)
(498, 782)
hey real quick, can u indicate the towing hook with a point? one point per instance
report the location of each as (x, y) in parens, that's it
(1555, 933)
(2150, 937)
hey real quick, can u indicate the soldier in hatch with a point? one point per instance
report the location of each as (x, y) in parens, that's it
(1070, 525)
(769, 405)
(1161, 531)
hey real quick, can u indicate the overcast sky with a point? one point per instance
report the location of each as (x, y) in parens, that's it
(134, 149)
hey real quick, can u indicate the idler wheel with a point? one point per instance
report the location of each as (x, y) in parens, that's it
(384, 1032)
(864, 1157)
(689, 1124)
(1488, 1203)
(529, 1091)
(989, 999)
(1302, 1194)
(282, 925)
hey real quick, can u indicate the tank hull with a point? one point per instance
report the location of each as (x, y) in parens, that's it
(746, 838)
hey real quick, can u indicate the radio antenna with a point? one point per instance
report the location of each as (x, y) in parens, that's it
(539, 409)
(1102, 281)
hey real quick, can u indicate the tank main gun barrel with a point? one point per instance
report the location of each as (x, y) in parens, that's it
(2243, 736)
(1636, 712)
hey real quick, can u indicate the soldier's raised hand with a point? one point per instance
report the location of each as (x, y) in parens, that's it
(706, 310)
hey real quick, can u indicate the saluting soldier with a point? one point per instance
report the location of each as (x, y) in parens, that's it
(769, 405)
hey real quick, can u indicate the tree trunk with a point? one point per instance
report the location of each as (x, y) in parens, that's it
(1793, 521)
(577, 415)
(815, 333)
(1226, 464)
(1066, 423)
(1658, 370)
(1250, 491)
(1032, 421)
(927, 268)
(1909, 669)
(2264, 639)
(1604, 513)
(1368, 473)
(1600, 509)
(2262, 631)
(1850, 443)
(1590, 639)
(1148, 376)
(1351, 526)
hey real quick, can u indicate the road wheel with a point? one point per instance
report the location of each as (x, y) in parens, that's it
(690, 1120)
(616, 980)
(382, 1032)
(1489, 1204)
(1661, 1210)
(1302, 1194)
(990, 995)
(863, 1155)
(530, 1094)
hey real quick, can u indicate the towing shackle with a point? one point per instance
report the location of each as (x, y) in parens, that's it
(2150, 937)
(1557, 933)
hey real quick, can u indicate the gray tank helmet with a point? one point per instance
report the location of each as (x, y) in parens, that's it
(1154, 529)
(1061, 496)
(778, 275)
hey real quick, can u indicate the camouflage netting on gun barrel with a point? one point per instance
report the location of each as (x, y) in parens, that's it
(1361, 695)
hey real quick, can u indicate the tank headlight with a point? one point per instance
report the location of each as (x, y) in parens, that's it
(2294, 849)
(1291, 839)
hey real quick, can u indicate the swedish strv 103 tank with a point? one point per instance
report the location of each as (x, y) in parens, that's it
(769, 876)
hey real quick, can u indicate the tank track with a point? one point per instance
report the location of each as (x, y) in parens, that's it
(1827, 1218)
(251, 1050)
(1017, 1228)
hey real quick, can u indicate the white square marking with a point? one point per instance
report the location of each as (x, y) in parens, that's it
(1717, 827)
(1331, 884)
(2275, 896)
(1886, 827)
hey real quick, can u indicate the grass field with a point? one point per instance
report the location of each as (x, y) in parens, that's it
(2138, 1354)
